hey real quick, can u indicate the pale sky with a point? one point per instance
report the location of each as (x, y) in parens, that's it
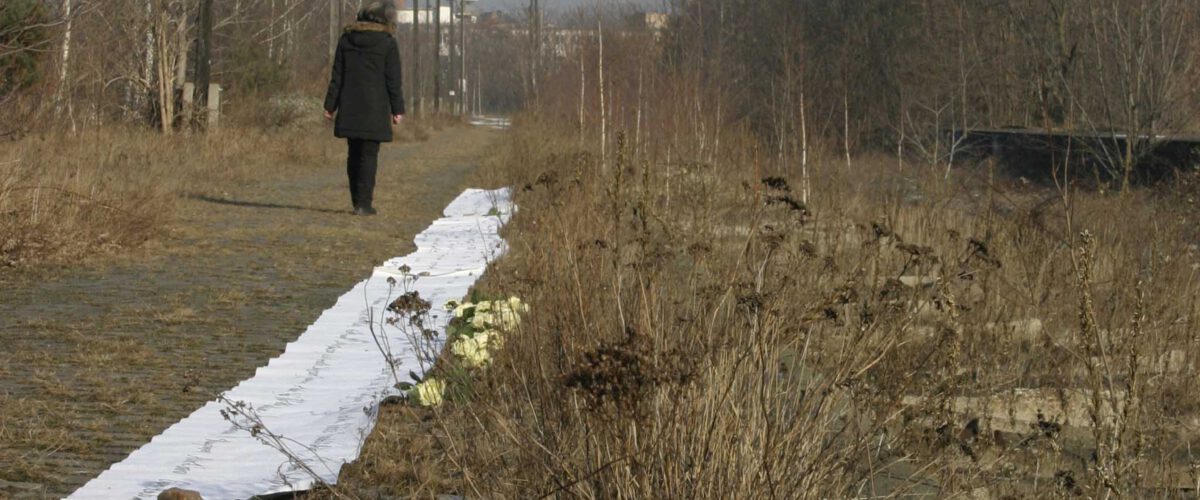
(486, 5)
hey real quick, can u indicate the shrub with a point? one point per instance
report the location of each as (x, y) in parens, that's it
(23, 36)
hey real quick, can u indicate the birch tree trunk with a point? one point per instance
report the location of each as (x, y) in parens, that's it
(63, 99)
(271, 34)
(142, 104)
(603, 110)
(536, 56)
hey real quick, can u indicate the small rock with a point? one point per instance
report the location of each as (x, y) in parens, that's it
(179, 494)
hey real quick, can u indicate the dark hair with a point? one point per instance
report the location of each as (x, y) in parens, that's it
(381, 12)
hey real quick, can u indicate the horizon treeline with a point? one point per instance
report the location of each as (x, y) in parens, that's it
(842, 78)
(898, 68)
(76, 64)
(834, 77)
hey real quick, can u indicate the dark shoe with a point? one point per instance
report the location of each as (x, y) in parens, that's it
(364, 211)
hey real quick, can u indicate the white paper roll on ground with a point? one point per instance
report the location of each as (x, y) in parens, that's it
(323, 391)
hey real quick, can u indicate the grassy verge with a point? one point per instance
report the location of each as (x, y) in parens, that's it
(699, 330)
(66, 197)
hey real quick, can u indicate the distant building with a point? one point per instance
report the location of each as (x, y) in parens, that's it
(653, 21)
(498, 18)
(425, 16)
(561, 41)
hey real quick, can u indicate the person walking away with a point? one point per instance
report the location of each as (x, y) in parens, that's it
(365, 96)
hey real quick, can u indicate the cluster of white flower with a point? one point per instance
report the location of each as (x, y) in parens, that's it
(428, 393)
(485, 314)
(488, 321)
(472, 350)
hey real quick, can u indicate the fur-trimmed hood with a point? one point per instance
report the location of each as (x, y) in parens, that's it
(366, 26)
(365, 35)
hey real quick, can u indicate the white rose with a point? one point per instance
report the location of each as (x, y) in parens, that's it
(429, 392)
(472, 351)
(490, 338)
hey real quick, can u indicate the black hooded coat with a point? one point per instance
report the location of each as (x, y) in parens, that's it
(365, 87)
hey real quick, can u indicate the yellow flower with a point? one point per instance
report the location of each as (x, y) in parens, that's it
(473, 351)
(515, 304)
(429, 392)
(484, 306)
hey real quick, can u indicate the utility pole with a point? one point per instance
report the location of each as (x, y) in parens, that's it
(416, 45)
(437, 56)
(535, 47)
(462, 75)
(453, 65)
(204, 53)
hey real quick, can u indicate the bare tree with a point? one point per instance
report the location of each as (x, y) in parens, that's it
(1137, 51)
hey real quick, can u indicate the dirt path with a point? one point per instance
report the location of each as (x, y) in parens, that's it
(97, 360)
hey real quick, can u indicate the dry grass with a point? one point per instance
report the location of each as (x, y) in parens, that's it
(66, 197)
(698, 332)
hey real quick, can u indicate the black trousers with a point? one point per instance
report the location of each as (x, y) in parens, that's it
(361, 164)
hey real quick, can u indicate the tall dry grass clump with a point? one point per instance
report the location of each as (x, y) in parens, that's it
(719, 310)
(699, 332)
(65, 196)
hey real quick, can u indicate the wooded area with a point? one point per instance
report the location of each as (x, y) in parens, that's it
(882, 75)
(834, 77)
(897, 73)
(84, 63)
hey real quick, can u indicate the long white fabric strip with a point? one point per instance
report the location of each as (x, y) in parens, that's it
(323, 391)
